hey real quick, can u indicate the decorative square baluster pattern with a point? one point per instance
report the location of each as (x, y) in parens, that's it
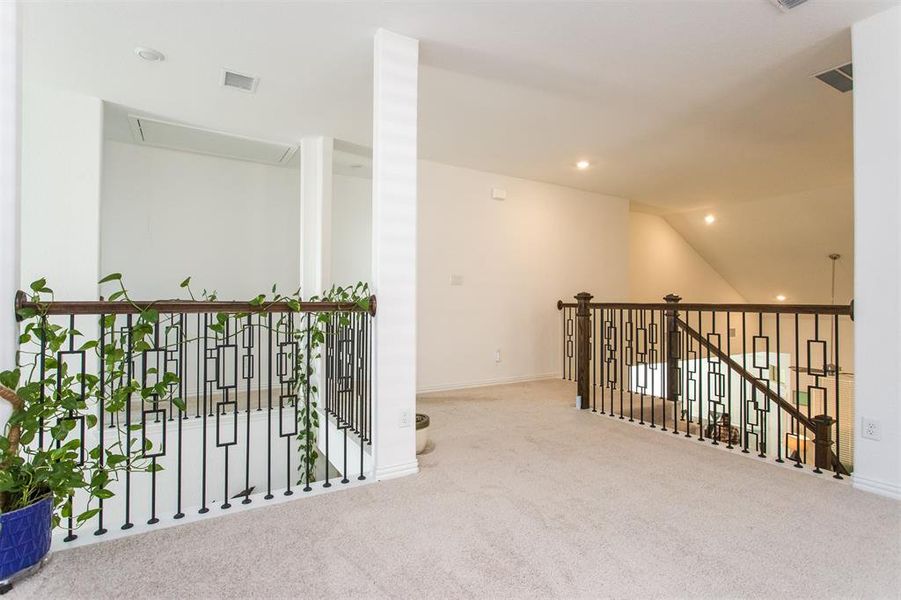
(160, 419)
(211, 365)
(286, 361)
(227, 360)
(248, 363)
(287, 415)
(816, 357)
(222, 413)
(345, 361)
(691, 386)
(628, 348)
(761, 345)
(610, 353)
(79, 428)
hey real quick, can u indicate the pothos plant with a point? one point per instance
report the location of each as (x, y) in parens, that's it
(313, 330)
(55, 400)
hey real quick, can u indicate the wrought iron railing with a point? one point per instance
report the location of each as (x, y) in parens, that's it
(232, 425)
(761, 378)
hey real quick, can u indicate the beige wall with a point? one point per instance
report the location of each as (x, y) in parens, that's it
(516, 257)
(661, 261)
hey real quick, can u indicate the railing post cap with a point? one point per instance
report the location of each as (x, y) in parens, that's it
(824, 419)
(672, 298)
(18, 302)
(584, 297)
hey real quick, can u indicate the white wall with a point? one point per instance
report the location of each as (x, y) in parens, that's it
(351, 230)
(62, 145)
(876, 44)
(10, 97)
(661, 261)
(517, 257)
(231, 225)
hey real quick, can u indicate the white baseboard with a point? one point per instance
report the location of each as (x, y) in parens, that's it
(446, 387)
(395, 471)
(883, 488)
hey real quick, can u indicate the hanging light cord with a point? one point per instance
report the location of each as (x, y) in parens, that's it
(832, 367)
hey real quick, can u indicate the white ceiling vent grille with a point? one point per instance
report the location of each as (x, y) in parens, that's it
(787, 5)
(840, 78)
(175, 136)
(238, 81)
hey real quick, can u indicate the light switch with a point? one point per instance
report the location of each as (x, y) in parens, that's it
(498, 193)
(456, 280)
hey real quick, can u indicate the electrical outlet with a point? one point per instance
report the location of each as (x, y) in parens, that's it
(497, 356)
(870, 429)
(406, 418)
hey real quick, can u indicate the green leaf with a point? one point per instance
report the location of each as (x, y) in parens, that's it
(111, 277)
(185, 283)
(39, 284)
(10, 379)
(87, 515)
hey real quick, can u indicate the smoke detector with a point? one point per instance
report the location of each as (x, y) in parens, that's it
(150, 54)
(239, 81)
(787, 5)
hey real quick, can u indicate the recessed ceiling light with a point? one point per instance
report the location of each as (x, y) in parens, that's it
(709, 219)
(781, 297)
(582, 165)
(150, 54)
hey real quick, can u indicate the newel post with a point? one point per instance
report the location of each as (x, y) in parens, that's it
(583, 350)
(822, 442)
(672, 348)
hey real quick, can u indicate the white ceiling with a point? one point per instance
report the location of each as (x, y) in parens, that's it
(680, 105)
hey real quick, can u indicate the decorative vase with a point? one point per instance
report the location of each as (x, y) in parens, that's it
(24, 539)
(422, 433)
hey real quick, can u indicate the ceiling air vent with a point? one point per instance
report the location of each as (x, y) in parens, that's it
(787, 5)
(245, 83)
(176, 136)
(840, 78)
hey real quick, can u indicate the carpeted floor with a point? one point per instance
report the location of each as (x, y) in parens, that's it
(523, 496)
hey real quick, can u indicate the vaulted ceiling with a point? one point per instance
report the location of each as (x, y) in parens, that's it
(683, 107)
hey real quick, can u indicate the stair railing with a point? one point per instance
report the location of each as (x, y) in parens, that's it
(658, 359)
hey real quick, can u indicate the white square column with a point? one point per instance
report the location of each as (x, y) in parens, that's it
(876, 44)
(315, 215)
(395, 104)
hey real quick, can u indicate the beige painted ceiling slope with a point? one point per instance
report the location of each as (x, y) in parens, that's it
(680, 105)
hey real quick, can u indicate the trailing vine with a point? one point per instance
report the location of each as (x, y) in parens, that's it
(43, 448)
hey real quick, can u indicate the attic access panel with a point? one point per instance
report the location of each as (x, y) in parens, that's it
(177, 136)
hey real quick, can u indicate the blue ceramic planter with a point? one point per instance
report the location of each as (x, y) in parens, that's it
(24, 537)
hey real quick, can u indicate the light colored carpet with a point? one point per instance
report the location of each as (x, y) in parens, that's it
(523, 496)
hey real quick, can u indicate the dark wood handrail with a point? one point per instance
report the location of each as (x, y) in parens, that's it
(105, 307)
(804, 309)
(744, 374)
(766, 391)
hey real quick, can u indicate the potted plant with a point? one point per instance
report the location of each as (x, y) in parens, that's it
(44, 460)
